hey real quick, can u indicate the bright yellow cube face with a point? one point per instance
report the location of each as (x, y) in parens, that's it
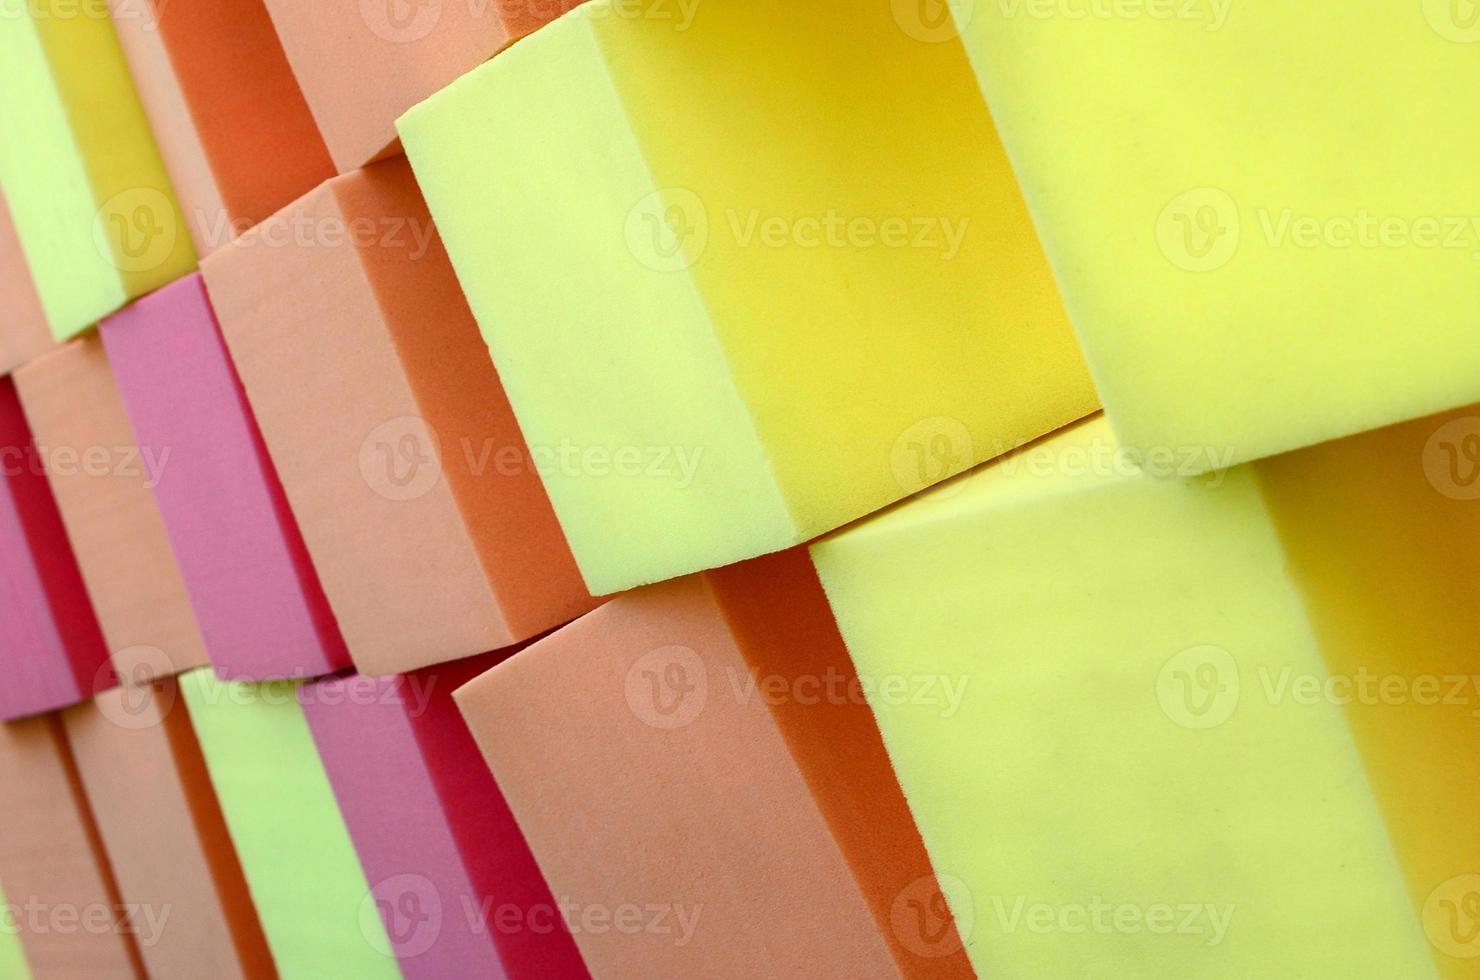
(780, 238)
(1264, 215)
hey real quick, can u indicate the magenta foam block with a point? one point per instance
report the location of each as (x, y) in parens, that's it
(52, 652)
(456, 884)
(257, 598)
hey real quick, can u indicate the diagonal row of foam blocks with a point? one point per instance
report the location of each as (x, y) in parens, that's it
(1123, 696)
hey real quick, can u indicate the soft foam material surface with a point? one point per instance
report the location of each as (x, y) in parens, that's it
(362, 63)
(168, 848)
(1381, 532)
(257, 599)
(389, 428)
(23, 330)
(219, 94)
(423, 894)
(92, 204)
(635, 731)
(1194, 825)
(532, 938)
(769, 343)
(51, 650)
(776, 610)
(1243, 201)
(51, 858)
(101, 478)
(312, 898)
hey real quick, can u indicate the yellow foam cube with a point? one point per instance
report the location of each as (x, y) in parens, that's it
(1110, 790)
(92, 204)
(1264, 215)
(1382, 534)
(745, 277)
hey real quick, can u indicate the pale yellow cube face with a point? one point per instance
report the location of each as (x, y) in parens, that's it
(1099, 754)
(93, 207)
(780, 238)
(1264, 215)
(289, 834)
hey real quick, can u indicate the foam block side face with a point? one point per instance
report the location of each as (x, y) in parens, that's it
(52, 861)
(358, 461)
(102, 480)
(1268, 834)
(23, 331)
(421, 889)
(676, 446)
(1381, 531)
(493, 475)
(54, 654)
(261, 610)
(516, 905)
(144, 47)
(523, 17)
(92, 203)
(1186, 244)
(160, 827)
(653, 754)
(361, 64)
(884, 247)
(46, 186)
(797, 665)
(311, 895)
(694, 265)
(218, 89)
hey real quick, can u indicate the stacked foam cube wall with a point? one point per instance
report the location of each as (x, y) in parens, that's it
(666, 489)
